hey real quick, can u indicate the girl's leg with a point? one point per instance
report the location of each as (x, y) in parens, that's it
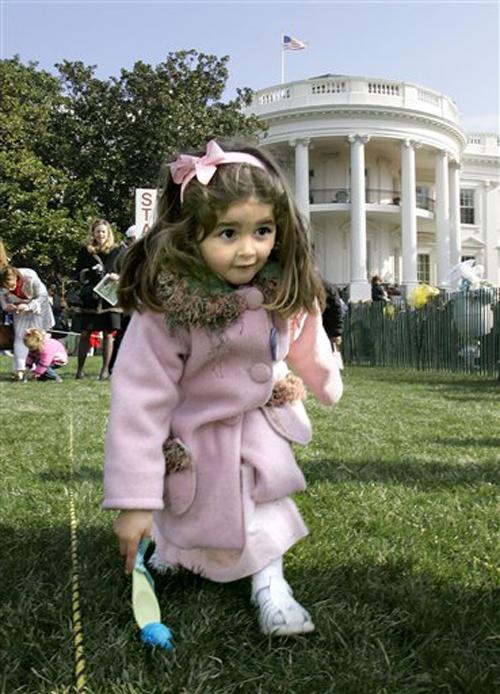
(107, 351)
(83, 348)
(51, 375)
(279, 613)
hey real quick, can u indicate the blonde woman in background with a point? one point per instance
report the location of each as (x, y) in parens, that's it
(96, 259)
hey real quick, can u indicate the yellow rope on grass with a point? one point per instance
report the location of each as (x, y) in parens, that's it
(76, 615)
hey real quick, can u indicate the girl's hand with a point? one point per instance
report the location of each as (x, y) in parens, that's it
(21, 308)
(113, 276)
(130, 527)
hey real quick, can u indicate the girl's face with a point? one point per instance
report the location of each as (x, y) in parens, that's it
(241, 242)
(100, 234)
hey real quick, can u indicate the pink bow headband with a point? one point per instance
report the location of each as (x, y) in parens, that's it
(187, 167)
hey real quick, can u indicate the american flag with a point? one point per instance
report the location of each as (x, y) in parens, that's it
(289, 43)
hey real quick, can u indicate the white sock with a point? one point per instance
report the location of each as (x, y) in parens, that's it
(279, 613)
(261, 578)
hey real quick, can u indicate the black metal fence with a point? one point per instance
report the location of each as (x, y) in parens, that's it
(453, 332)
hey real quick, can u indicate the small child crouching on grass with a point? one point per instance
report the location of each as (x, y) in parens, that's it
(45, 355)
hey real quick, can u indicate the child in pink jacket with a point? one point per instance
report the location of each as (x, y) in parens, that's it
(225, 298)
(44, 356)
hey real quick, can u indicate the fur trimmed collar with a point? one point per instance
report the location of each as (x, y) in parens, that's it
(212, 304)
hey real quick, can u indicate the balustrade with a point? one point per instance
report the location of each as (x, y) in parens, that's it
(384, 88)
(428, 97)
(373, 196)
(328, 87)
(487, 142)
(344, 89)
(274, 95)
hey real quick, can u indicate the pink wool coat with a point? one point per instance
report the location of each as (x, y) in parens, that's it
(52, 353)
(203, 388)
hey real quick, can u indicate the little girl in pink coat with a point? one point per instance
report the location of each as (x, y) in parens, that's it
(45, 355)
(225, 299)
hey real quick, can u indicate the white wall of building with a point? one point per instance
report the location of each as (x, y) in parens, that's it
(374, 166)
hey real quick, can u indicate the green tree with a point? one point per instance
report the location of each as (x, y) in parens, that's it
(38, 226)
(74, 147)
(124, 127)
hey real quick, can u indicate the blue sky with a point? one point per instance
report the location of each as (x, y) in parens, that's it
(450, 46)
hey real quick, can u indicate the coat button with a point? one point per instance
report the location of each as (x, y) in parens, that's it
(254, 298)
(260, 373)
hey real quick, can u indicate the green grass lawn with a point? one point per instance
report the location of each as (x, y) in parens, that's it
(401, 570)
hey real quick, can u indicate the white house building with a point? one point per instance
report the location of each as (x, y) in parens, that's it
(391, 183)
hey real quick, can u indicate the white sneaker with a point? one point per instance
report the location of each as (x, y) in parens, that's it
(279, 613)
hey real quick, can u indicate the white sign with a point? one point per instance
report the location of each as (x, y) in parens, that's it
(145, 201)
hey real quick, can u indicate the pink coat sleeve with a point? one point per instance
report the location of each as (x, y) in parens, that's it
(312, 358)
(144, 393)
(43, 363)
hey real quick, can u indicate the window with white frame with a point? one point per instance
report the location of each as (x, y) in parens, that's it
(423, 267)
(467, 210)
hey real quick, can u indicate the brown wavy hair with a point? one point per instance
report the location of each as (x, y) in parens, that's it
(7, 274)
(172, 244)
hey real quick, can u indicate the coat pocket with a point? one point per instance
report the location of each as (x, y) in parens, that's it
(269, 453)
(290, 421)
(180, 477)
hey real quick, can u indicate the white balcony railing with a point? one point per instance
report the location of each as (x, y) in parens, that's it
(343, 90)
(339, 196)
(483, 143)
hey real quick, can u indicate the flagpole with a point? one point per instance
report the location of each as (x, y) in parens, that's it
(282, 61)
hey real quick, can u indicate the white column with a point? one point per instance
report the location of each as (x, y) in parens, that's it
(360, 288)
(489, 223)
(408, 215)
(302, 176)
(455, 231)
(442, 219)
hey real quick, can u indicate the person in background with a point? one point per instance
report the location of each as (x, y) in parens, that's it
(378, 291)
(24, 296)
(333, 315)
(131, 236)
(94, 342)
(59, 308)
(393, 292)
(225, 296)
(97, 258)
(6, 332)
(45, 355)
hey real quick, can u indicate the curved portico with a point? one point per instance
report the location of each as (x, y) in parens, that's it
(375, 165)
